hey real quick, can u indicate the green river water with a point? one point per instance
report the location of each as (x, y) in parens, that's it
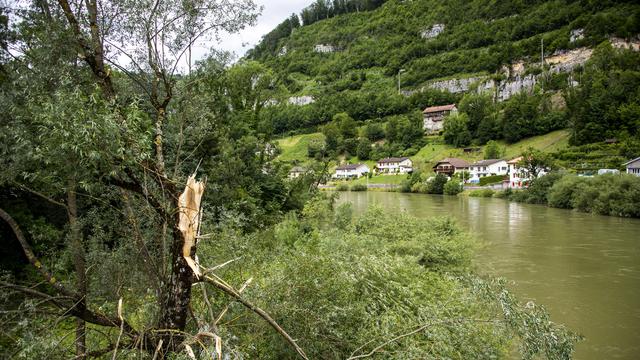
(584, 268)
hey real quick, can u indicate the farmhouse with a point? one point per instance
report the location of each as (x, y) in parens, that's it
(349, 171)
(489, 167)
(395, 165)
(633, 167)
(434, 117)
(450, 166)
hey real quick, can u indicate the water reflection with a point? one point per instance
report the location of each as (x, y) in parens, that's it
(584, 268)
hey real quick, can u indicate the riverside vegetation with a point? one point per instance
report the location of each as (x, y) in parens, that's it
(101, 157)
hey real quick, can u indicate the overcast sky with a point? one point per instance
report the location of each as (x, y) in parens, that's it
(273, 13)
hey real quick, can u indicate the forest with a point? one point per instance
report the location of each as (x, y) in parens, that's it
(143, 212)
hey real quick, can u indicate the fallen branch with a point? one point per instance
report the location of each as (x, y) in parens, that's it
(226, 308)
(234, 294)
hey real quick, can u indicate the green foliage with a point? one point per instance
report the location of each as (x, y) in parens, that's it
(364, 149)
(493, 150)
(342, 187)
(616, 195)
(380, 276)
(606, 103)
(453, 187)
(374, 132)
(482, 193)
(436, 184)
(493, 179)
(358, 187)
(456, 130)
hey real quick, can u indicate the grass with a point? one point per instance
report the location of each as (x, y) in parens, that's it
(295, 148)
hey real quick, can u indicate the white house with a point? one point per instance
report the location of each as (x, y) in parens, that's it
(633, 167)
(434, 117)
(489, 167)
(395, 165)
(519, 176)
(351, 171)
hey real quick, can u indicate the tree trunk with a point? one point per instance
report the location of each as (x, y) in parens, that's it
(80, 267)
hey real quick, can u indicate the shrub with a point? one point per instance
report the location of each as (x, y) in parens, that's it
(491, 179)
(481, 193)
(342, 187)
(436, 184)
(358, 187)
(562, 193)
(452, 187)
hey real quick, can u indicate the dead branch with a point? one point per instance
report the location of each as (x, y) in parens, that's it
(234, 294)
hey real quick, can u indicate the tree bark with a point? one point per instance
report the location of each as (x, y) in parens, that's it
(80, 268)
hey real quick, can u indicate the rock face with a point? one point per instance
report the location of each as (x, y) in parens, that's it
(455, 85)
(517, 81)
(433, 31)
(283, 51)
(576, 34)
(301, 100)
(514, 86)
(324, 48)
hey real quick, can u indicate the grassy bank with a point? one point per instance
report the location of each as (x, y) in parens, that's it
(294, 148)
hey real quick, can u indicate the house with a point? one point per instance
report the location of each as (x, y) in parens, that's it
(395, 165)
(351, 171)
(488, 167)
(296, 172)
(434, 117)
(519, 176)
(633, 167)
(450, 166)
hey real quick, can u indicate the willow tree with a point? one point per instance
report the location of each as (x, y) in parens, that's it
(91, 92)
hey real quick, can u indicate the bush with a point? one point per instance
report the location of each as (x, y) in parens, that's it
(561, 195)
(436, 184)
(342, 187)
(481, 193)
(358, 187)
(452, 187)
(491, 179)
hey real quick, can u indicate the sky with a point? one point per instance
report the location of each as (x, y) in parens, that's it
(273, 13)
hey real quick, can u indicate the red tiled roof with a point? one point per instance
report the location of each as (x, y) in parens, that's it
(439, 108)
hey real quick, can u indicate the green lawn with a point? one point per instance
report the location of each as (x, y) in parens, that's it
(295, 148)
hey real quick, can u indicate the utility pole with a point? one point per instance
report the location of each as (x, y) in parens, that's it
(399, 72)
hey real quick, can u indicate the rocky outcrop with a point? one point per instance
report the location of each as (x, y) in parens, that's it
(432, 32)
(324, 48)
(301, 100)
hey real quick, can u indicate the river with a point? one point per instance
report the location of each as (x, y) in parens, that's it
(584, 268)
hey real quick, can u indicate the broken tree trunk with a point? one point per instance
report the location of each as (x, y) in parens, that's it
(178, 290)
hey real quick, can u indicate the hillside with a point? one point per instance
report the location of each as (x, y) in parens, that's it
(294, 149)
(350, 62)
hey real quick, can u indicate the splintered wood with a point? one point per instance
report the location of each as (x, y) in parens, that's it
(190, 218)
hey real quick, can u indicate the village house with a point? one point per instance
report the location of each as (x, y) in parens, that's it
(519, 176)
(296, 172)
(488, 167)
(395, 165)
(633, 167)
(349, 171)
(434, 117)
(450, 166)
